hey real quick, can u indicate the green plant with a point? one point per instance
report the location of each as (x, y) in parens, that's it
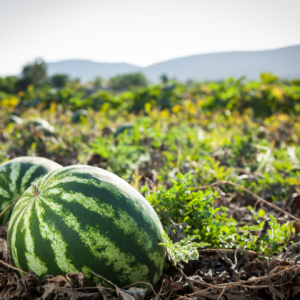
(196, 209)
(182, 251)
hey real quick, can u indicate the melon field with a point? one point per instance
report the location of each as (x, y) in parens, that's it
(219, 162)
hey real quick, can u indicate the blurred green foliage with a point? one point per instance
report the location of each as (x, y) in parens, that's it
(257, 99)
(168, 138)
(32, 74)
(59, 80)
(7, 84)
(126, 81)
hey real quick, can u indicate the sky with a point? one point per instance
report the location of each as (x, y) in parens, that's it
(140, 32)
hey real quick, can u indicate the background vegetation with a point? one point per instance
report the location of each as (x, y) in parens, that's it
(166, 140)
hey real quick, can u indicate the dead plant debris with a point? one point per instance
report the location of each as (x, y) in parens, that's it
(219, 274)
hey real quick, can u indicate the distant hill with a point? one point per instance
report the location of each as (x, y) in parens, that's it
(87, 70)
(284, 62)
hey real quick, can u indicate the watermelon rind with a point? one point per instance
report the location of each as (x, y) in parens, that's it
(87, 219)
(16, 176)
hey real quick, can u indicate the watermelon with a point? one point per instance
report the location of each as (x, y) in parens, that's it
(122, 128)
(84, 219)
(14, 119)
(43, 126)
(16, 176)
(40, 122)
(79, 115)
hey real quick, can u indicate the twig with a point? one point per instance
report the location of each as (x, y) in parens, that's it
(266, 286)
(140, 282)
(162, 285)
(6, 209)
(104, 279)
(222, 293)
(12, 267)
(235, 257)
(16, 291)
(126, 285)
(233, 250)
(93, 288)
(191, 285)
(169, 297)
(251, 193)
(242, 282)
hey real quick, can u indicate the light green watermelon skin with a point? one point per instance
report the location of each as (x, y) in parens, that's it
(16, 176)
(87, 219)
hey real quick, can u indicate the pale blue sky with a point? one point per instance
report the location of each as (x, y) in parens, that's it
(140, 32)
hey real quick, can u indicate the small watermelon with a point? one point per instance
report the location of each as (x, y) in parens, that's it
(16, 176)
(14, 119)
(122, 128)
(84, 219)
(79, 115)
(40, 122)
(43, 126)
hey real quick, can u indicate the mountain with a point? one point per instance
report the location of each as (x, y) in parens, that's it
(87, 70)
(284, 62)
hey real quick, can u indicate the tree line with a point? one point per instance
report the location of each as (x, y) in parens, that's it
(35, 74)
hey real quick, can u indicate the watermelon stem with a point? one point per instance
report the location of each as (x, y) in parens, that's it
(36, 192)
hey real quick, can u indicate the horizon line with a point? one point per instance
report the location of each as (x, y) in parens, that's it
(143, 67)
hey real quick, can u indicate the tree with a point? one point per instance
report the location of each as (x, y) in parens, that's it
(126, 81)
(22, 83)
(98, 82)
(7, 84)
(33, 73)
(164, 78)
(59, 80)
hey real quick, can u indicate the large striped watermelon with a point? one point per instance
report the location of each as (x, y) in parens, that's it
(83, 219)
(16, 176)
